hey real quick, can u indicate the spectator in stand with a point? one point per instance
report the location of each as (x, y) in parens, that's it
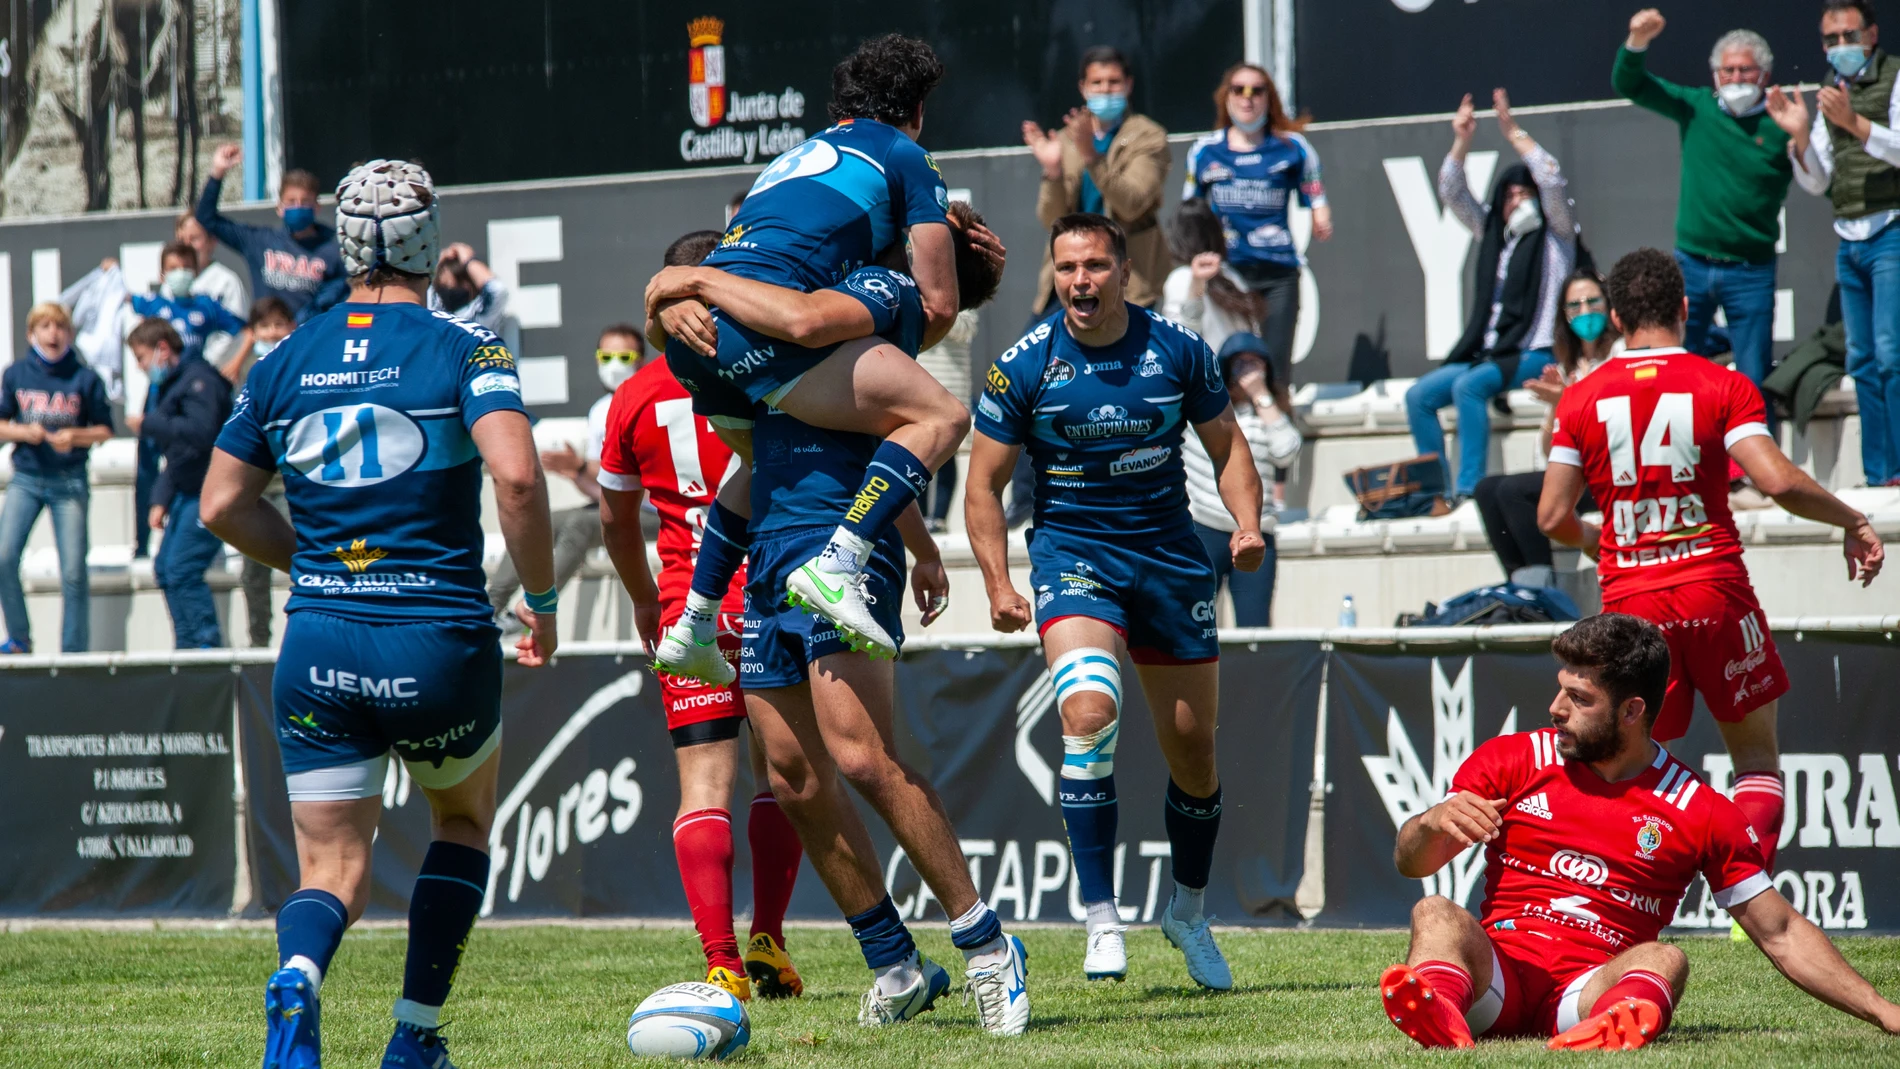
(1728, 211)
(1246, 366)
(466, 289)
(1527, 247)
(192, 402)
(215, 281)
(1249, 170)
(1851, 156)
(271, 322)
(577, 530)
(298, 262)
(1109, 160)
(54, 410)
(1584, 338)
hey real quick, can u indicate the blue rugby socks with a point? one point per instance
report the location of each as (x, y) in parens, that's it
(309, 926)
(442, 911)
(1092, 815)
(1193, 824)
(893, 479)
(979, 934)
(722, 550)
(887, 946)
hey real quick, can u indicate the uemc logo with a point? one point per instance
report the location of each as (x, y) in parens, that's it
(351, 683)
(1582, 868)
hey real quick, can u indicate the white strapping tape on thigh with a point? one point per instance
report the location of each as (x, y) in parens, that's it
(340, 783)
(1088, 668)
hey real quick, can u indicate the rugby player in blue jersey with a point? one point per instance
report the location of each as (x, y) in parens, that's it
(1100, 396)
(380, 414)
(831, 205)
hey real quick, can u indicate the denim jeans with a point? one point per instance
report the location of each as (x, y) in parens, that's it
(1470, 387)
(68, 497)
(144, 481)
(1746, 295)
(1252, 591)
(1869, 273)
(188, 549)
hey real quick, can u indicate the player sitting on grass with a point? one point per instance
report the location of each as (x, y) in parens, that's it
(853, 318)
(1591, 834)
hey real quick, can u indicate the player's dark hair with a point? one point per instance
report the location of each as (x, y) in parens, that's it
(1091, 223)
(1865, 7)
(180, 250)
(1645, 290)
(978, 277)
(298, 178)
(886, 79)
(1103, 54)
(628, 329)
(1628, 653)
(689, 249)
(265, 309)
(150, 332)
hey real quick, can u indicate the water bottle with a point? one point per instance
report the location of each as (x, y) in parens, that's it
(1348, 616)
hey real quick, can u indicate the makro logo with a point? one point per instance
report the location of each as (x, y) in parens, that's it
(1582, 868)
(367, 686)
(1139, 460)
(874, 488)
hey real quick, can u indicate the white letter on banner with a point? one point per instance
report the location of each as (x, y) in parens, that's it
(1046, 878)
(1009, 879)
(513, 242)
(1440, 241)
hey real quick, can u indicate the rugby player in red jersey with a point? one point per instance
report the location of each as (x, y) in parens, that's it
(1651, 433)
(656, 446)
(1592, 832)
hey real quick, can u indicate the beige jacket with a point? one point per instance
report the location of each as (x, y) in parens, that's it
(1131, 176)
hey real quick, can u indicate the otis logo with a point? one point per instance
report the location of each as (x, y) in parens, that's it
(1583, 868)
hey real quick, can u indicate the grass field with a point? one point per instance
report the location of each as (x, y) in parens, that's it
(560, 996)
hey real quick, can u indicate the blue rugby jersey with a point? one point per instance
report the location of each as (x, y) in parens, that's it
(830, 205)
(1103, 425)
(1251, 192)
(366, 410)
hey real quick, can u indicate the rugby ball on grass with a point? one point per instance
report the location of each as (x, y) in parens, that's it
(689, 1021)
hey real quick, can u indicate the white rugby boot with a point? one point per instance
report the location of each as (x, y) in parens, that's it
(841, 598)
(1195, 939)
(1107, 957)
(680, 653)
(1001, 991)
(877, 1009)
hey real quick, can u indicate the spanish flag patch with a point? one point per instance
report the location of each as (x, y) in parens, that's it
(1641, 372)
(359, 319)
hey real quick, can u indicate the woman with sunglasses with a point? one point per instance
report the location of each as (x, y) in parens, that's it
(1583, 339)
(1249, 170)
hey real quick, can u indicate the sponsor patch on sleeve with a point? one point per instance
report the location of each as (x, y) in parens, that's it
(492, 357)
(494, 382)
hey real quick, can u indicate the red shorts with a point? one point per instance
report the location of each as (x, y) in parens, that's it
(1719, 645)
(688, 701)
(1536, 981)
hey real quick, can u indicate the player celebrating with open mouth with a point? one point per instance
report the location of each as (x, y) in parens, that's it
(1100, 396)
(1591, 834)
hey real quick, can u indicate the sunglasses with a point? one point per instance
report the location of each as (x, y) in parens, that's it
(610, 356)
(1247, 91)
(1845, 37)
(1583, 305)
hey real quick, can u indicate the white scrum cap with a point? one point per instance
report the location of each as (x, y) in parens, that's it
(386, 217)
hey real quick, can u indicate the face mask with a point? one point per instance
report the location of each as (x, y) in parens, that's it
(1524, 218)
(615, 372)
(158, 375)
(1738, 97)
(1108, 107)
(178, 283)
(297, 220)
(1589, 325)
(261, 348)
(1847, 60)
(1252, 126)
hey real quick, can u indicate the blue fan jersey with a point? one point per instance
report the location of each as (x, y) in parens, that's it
(1103, 425)
(366, 410)
(830, 205)
(1251, 191)
(805, 476)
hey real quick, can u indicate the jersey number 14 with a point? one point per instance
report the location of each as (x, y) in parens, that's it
(1668, 442)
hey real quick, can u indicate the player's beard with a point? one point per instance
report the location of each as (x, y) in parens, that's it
(1590, 744)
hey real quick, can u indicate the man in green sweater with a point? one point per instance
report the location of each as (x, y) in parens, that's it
(1735, 175)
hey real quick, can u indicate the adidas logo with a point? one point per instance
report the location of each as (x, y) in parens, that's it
(1537, 805)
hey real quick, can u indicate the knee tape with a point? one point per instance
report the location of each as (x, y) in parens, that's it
(1092, 756)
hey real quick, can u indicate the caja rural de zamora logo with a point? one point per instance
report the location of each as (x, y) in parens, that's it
(728, 126)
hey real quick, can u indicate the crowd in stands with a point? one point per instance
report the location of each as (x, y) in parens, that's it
(1222, 258)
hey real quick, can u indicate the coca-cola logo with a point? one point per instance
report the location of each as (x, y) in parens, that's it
(1747, 664)
(1582, 868)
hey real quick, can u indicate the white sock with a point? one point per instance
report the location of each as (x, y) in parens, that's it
(1188, 902)
(415, 1013)
(702, 615)
(845, 553)
(894, 980)
(308, 968)
(1103, 915)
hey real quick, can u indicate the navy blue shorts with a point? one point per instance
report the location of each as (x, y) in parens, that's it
(1159, 596)
(780, 641)
(345, 693)
(751, 369)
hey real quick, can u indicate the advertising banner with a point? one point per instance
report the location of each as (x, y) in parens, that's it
(116, 791)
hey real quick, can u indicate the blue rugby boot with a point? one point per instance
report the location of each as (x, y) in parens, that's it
(291, 1039)
(417, 1048)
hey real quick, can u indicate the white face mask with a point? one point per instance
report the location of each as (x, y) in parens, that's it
(262, 348)
(1525, 218)
(178, 283)
(1739, 97)
(615, 372)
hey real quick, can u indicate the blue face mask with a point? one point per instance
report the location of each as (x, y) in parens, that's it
(1589, 325)
(1108, 107)
(1252, 126)
(1847, 60)
(297, 220)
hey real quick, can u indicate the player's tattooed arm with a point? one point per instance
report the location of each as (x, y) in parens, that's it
(1431, 839)
(991, 464)
(1239, 481)
(1557, 510)
(1810, 960)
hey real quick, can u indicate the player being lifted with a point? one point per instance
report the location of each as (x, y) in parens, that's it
(1100, 396)
(380, 414)
(828, 206)
(656, 447)
(1651, 434)
(1591, 833)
